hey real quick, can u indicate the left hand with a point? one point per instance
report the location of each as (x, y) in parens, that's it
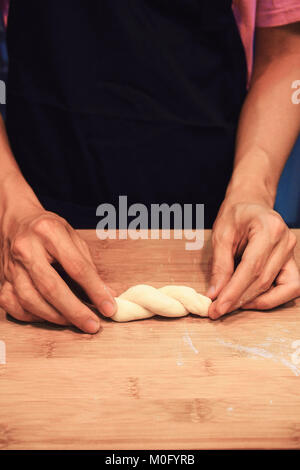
(267, 274)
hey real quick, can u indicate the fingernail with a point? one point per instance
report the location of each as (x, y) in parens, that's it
(108, 308)
(213, 314)
(92, 326)
(223, 308)
(211, 291)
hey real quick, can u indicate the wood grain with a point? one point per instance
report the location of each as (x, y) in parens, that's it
(187, 383)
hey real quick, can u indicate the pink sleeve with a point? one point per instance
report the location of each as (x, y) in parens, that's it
(277, 12)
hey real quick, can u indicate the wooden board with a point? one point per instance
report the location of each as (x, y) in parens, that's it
(186, 383)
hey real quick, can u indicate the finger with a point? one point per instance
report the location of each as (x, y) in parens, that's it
(81, 270)
(52, 288)
(10, 304)
(290, 272)
(287, 288)
(222, 264)
(31, 300)
(250, 268)
(274, 297)
(274, 264)
(82, 245)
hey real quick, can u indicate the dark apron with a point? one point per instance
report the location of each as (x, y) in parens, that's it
(124, 97)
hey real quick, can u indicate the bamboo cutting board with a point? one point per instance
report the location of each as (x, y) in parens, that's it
(187, 383)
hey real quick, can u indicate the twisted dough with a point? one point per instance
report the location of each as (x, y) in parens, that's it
(143, 301)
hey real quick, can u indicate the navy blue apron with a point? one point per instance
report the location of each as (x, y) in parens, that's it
(124, 97)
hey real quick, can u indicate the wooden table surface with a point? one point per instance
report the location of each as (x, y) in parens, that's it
(187, 383)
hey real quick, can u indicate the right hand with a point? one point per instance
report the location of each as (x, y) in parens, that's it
(31, 290)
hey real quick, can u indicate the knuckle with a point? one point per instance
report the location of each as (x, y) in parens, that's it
(19, 247)
(44, 225)
(78, 268)
(25, 299)
(222, 237)
(218, 269)
(255, 266)
(48, 288)
(37, 270)
(79, 318)
(264, 284)
(277, 226)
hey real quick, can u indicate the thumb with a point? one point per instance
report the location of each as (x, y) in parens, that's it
(222, 266)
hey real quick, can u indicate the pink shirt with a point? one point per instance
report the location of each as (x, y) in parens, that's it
(262, 13)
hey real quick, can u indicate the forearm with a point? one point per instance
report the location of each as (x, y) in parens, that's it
(268, 128)
(15, 192)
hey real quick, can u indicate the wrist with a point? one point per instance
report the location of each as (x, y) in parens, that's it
(250, 188)
(247, 190)
(255, 177)
(17, 199)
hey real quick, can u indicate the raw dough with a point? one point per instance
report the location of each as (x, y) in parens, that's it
(143, 301)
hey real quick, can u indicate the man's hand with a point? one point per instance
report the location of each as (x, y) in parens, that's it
(31, 289)
(246, 225)
(266, 275)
